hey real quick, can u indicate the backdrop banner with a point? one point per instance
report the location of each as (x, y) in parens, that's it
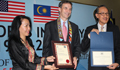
(40, 12)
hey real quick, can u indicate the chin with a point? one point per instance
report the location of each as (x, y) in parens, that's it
(27, 35)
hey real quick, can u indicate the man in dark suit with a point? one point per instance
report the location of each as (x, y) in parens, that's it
(102, 16)
(62, 30)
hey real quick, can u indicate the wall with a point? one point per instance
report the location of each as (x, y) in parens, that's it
(111, 4)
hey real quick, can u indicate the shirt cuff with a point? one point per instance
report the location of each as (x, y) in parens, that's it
(39, 67)
(88, 36)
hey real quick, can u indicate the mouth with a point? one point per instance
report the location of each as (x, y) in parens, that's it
(67, 14)
(28, 32)
(105, 19)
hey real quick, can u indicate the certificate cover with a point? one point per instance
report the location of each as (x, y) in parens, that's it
(101, 49)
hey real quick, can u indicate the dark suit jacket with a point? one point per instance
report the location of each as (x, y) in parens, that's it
(116, 35)
(19, 56)
(51, 33)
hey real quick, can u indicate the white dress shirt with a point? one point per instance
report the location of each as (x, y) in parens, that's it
(104, 29)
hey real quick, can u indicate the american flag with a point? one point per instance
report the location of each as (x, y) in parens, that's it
(54, 14)
(10, 9)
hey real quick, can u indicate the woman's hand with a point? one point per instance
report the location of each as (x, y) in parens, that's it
(50, 67)
(50, 59)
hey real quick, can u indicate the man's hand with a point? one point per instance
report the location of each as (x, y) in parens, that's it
(113, 66)
(94, 30)
(75, 62)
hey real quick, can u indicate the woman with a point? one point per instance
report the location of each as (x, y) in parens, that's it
(21, 49)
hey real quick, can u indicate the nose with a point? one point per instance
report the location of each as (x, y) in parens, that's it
(105, 15)
(29, 28)
(69, 10)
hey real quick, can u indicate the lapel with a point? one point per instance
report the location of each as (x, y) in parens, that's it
(68, 33)
(96, 26)
(56, 30)
(108, 27)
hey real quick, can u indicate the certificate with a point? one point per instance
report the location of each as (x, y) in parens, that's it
(102, 57)
(63, 55)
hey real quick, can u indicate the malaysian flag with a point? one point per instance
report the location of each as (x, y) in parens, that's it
(44, 14)
(111, 18)
(10, 9)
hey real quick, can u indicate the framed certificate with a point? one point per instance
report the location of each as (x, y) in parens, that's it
(63, 54)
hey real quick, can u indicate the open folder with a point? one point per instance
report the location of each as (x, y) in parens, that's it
(101, 49)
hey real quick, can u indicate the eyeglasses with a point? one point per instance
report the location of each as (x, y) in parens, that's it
(107, 14)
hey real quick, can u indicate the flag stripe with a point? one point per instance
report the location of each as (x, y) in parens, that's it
(6, 17)
(44, 18)
(54, 15)
(17, 12)
(16, 2)
(54, 12)
(16, 5)
(36, 16)
(14, 9)
(10, 14)
(6, 20)
(41, 21)
(54, 9)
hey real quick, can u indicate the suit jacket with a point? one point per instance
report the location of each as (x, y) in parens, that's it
(116, 35)
(19, 56)
(51, 33)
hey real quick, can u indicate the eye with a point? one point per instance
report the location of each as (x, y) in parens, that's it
(65, 7)
(25, 25)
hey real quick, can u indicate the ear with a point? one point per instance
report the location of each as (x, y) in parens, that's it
(59, 9)
(97, 16)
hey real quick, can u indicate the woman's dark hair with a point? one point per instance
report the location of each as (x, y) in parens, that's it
(17, 21)
(64, 1)
(97, 11)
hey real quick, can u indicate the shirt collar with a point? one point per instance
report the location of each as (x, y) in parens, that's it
(105, 25)
(63, 21)
(104, 29)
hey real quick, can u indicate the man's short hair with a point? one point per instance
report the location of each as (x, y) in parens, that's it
(97, 11)
(64, 1)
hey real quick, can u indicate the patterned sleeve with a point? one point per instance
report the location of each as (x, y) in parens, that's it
(43, 61)
(40, 60)
(39, 67)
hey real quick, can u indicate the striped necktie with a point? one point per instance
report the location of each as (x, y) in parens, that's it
(102, 29)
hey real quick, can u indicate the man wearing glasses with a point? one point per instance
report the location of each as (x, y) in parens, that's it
(101, 15)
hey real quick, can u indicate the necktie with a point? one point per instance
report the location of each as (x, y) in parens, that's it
(64, 30)
(102, 29)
